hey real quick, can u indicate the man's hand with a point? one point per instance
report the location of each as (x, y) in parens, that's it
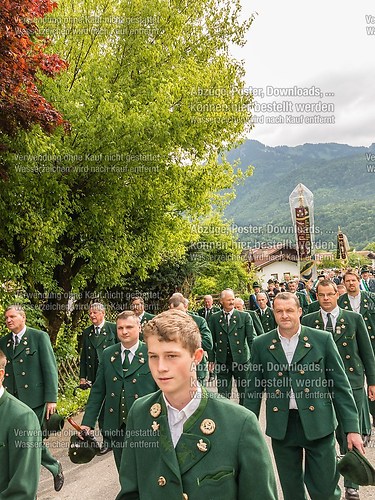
(84, 429)
(371, 392)
(82, 381)
(50, 410)
(355, 441)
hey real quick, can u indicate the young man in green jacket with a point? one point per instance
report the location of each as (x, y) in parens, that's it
(123, 376)
(184, 442)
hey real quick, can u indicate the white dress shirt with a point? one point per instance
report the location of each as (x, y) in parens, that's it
(334, 315)
(177, 418)
(289, 347)
(132, 350)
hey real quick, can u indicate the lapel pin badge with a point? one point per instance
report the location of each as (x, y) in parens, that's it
(208, 426)
(202, 446)
(155, 410)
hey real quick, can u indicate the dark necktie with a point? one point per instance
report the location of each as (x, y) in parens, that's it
(227, 318)
(126, 363)
(329, 326)
(123, 407)
(97, 331)
(16, 341)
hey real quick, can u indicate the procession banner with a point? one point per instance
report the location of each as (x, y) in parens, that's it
(301, 202)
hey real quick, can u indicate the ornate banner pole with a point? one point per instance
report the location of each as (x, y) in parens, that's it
(342, 247)
(301, 202)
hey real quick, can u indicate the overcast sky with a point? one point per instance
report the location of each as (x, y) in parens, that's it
(322, 44)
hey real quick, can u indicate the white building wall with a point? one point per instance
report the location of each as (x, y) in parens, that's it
(279, 268)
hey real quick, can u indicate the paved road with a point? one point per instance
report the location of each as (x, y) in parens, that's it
(98, 479)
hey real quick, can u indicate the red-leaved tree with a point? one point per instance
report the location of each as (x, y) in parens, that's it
(21, 57)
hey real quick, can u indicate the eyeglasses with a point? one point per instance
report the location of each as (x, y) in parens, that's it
(322, 295)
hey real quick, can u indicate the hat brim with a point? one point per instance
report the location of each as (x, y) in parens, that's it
(355, 467)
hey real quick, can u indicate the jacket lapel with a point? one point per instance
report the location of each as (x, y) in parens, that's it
(193, 445)
(275, 348)
(23, 345)
(140, 359)
(234, 320)
(168, 452)
(318, 321)
(9, 346)
(116, 362)
(346, 302)
(364, 304)
(340, 328)
(304, 346)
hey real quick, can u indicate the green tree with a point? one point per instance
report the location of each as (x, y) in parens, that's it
(153, 97)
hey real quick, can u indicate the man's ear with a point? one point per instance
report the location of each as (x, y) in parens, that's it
(198, 355)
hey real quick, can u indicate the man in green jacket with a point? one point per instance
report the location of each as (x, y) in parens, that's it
(96, 337)
(292, 288)
(363, 303)
(265, 313)
(306, 387)
(20, 445)
(349, 333)
(31, 375)
(239, 304)
(178, 301)
(138, 306)
(184, 442)
(123, 376)
(232, 334)
(208, 309)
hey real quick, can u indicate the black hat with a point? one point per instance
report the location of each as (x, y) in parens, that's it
(83, 451)
(256, 284)
(365, 270)
(55, 423)
(270, 281)
(355, 467)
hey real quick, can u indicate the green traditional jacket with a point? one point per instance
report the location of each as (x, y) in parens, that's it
(313, 307)
(267, 319)
(145, 318)
(353, 344)
(221, 454)
(258, 327)
(202, 311)
(111, 379)
(31, 371)
(303, 302)
(93, 347)
(20, 450)
(240, 334)
(318, 380)
(367, 311)
(207, 344)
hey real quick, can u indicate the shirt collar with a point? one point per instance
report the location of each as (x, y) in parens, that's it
(192, 405)
(133, 349)
(20, 334)
(334, 313)
(296, 335)
(2, 390)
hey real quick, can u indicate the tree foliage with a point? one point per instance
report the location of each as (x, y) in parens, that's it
(153, 97)
(22, 58)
